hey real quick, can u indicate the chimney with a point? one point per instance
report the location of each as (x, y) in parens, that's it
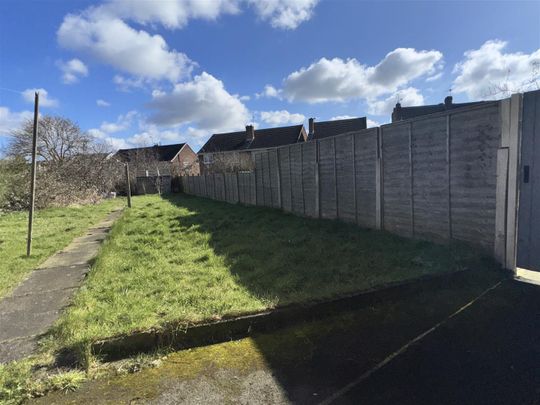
(396, 114)
(311, 127)
(448, 102)
(250, 133)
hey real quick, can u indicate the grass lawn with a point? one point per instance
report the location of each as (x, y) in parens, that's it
(54, 228)
(187, 259)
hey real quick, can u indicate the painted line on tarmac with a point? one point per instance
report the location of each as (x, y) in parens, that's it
(401, 350)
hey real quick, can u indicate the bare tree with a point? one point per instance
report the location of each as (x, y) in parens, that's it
(231, 162)
(506, 88)
(71, 167)
(58, 139)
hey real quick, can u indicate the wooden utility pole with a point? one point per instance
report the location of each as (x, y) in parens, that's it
(128, 185)
(33, 178)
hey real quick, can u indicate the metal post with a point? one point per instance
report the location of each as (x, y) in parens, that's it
(128, 185)
(33, 178)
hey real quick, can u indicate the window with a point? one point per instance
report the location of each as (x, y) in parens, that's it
(208, 158)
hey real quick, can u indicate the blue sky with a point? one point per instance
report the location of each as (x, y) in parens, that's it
(141, 72)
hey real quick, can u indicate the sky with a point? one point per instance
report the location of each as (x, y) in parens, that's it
(142, 72)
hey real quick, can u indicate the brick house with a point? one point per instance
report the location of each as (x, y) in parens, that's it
(227, 152)
(153, 167)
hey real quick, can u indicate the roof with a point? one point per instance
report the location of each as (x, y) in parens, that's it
(405, 113)
(264, 138)
(163, 153)
(324, 129)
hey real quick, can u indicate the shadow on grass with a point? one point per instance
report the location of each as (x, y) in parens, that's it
(284, 259)
(287, 259)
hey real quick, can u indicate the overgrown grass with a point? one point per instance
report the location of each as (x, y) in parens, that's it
(187, 259)
(54, 228)
(23, 380)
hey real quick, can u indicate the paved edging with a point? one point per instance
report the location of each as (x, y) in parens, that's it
(36, 303)
(177, 336)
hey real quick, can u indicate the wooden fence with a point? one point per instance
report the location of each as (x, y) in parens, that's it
(432, 177)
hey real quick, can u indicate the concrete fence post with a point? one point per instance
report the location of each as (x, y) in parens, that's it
(302, 179)
(411, 175)
(514, 140)
(379, 181)
(317, 182)
(280, 199)
(355, 204)
(335, 178)
(449, 174)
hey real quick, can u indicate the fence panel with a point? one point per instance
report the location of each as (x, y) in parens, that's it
(266, 177)
(430, 179)
(198, 185)
(345, 178)
(474, 140)
(365, 165)
(327, 178)
(296, 179)
(234, 186)
(219, 186)
(309, 167)
(397, 196)
(210, 181)
(259, 178)
(274, 177)
(242, 188)
(285, 176)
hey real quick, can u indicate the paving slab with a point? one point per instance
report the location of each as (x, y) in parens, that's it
(33, 307)
(52, 279)
(34, 303)
(22, 324)
(10, 349)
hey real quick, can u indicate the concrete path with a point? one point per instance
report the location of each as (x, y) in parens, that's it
(37, 302)
(487, 353)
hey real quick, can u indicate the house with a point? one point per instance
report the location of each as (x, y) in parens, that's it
(325, 129)
(153, 167)
(239, 145)
(404, 113)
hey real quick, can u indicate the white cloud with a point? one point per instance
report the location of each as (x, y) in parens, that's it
(244, 98)
(111, 41)
(204, 102)
(488, 72)
(407, 97)
(72, 70)
(149, 134)
(102, 103)
(123, 122)
(127, 84)
(269, 92)
(282, 117)
(436, 76)
(170, 13)
(44, 99)
(284, 14)
(102, 32)
(372, 123)
(341, 117)
(340, 80)
(10, 121)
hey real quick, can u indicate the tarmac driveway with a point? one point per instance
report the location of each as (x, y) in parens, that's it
(474, 339)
